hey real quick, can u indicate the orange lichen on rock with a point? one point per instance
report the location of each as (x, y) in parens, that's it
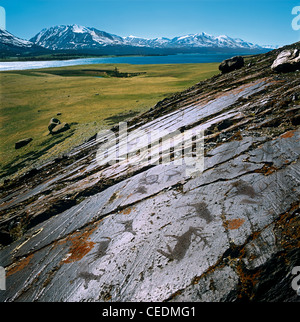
(288, 134)
(80, 246)
(235, 223)
(20, 266)
(248, 280)
(267, 169)
(127, 211)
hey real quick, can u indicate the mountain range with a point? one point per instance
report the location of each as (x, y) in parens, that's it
(80, 39)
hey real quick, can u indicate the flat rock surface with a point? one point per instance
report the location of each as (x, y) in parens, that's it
(141, 230)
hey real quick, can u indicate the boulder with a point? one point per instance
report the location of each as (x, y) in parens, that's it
(231, 64)
(5, 238)
(60, 128)
(22, 143)
(53, 123)
(287, 61)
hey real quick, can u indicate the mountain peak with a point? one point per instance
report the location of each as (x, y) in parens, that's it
(79, 29)
(77, 37)
(74, 37)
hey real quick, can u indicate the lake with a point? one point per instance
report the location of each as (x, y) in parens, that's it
(135, 60)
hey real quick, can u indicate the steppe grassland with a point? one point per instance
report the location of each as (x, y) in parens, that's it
(29, 99)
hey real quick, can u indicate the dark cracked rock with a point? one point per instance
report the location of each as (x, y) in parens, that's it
(231, 64)
(81, 229)
(20, 144)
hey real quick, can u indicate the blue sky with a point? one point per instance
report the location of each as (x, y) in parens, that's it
(258, 21)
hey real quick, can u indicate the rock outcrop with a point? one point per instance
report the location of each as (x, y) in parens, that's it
(60, 128)
(20, 144)
(231, 64)
(287, 61)
(143, 230)
(55, 126)
(53, 123)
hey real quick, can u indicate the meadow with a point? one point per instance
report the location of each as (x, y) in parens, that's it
(90, 98)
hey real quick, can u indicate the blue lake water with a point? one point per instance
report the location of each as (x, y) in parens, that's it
(135, 60)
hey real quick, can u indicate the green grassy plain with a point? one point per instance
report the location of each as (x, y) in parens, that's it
(87, 98)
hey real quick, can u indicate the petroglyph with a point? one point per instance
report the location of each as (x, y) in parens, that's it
(202, 212)
(141, 190)
(243, 188)
(88, 277)
(183, 243)
(148, 180)
(128, 226)
(172, 173)
(143, 182)
(101, 249)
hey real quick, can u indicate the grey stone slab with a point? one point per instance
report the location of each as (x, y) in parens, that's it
(212, 288)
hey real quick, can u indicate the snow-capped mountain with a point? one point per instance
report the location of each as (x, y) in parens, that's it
(9, 39)
(74, 37)
(79, 37)
(151, 43)
(205, 40)
(12, 45)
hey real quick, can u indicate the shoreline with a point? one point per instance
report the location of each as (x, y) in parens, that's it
(128, 59)
(66, 57)
(71, 56)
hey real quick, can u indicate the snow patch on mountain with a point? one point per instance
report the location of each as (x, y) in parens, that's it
(79, 29)
(9, 39)
(75, 37)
